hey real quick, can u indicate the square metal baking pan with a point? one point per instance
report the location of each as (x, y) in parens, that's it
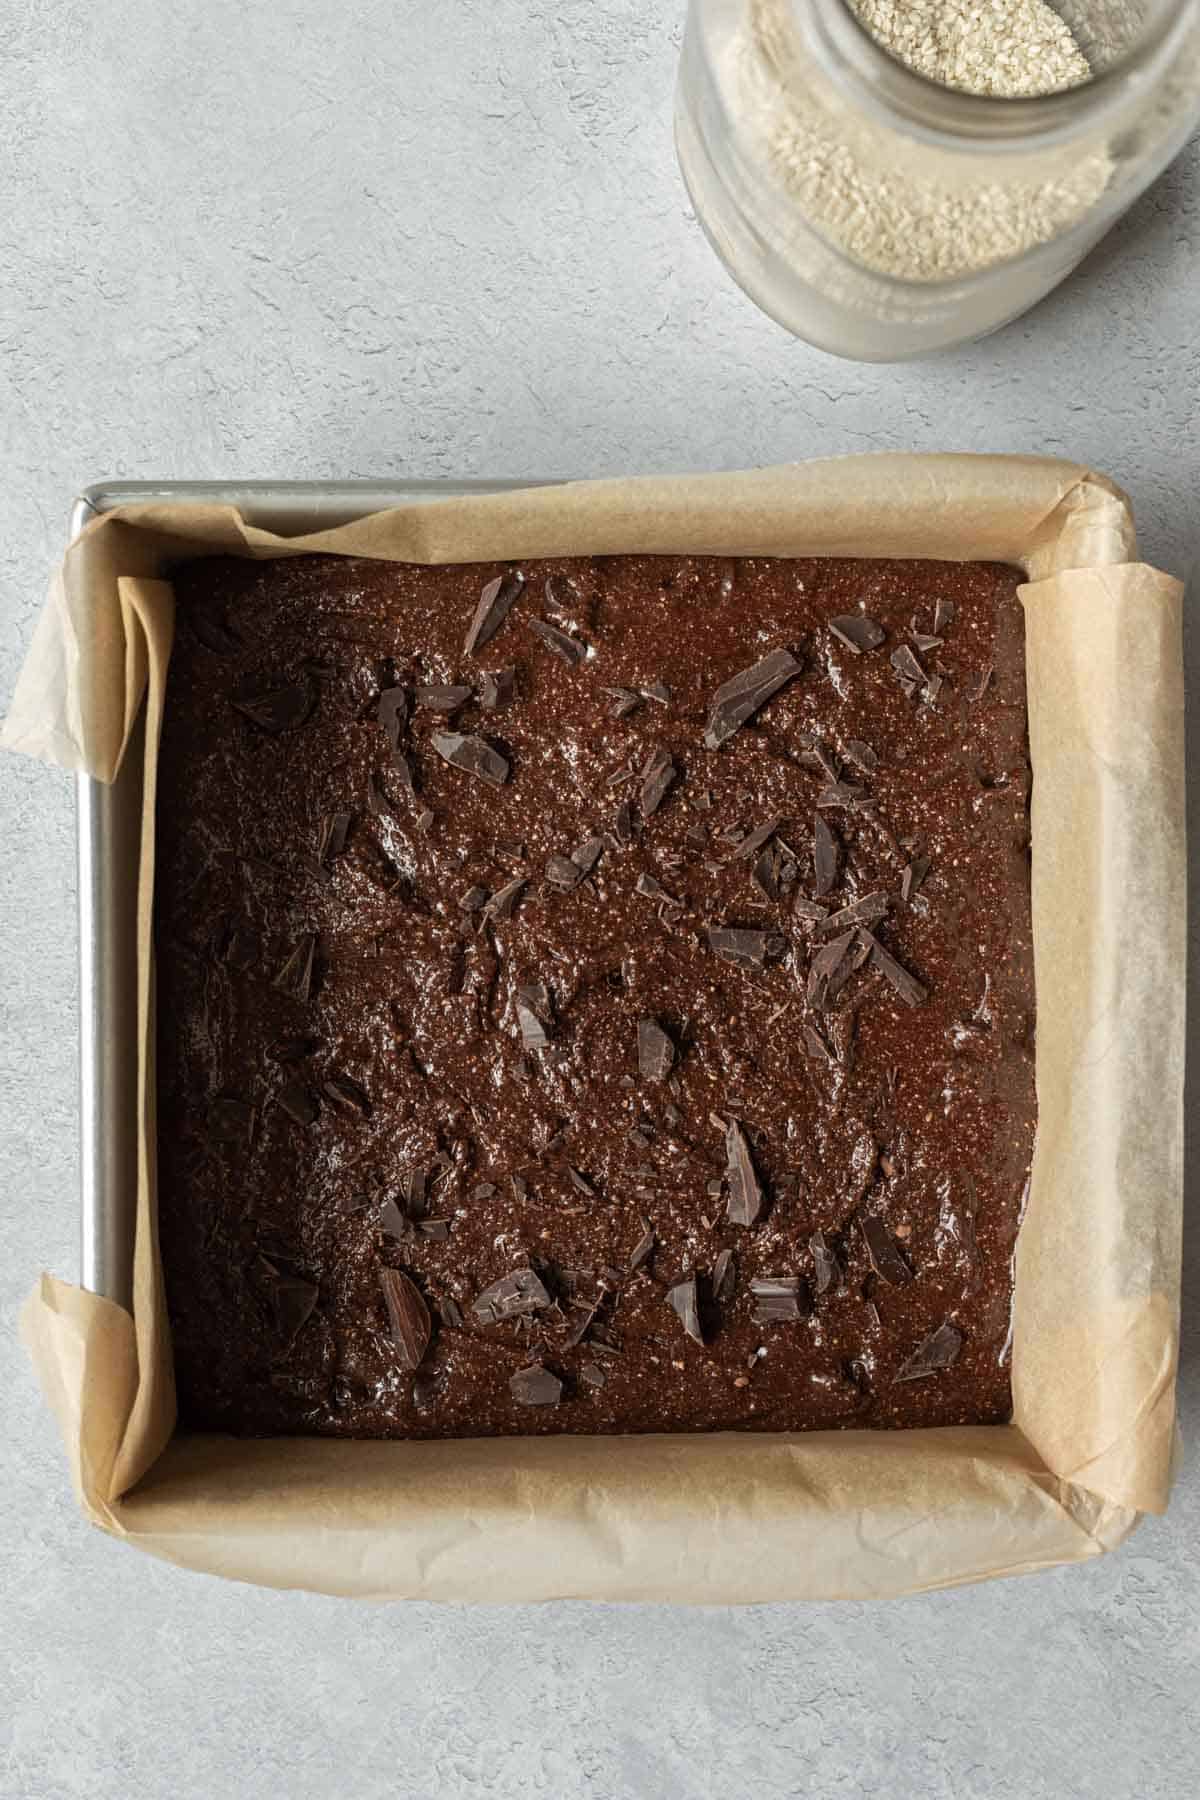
(109, 829)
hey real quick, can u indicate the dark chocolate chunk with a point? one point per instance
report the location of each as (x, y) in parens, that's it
(570, 649)
(495, 602)
(943, 615)
(483, 1191)
(593, 1374)
(804, 908)
(685, 1301)
(933, 688)
(841, 793)
(212, 628)
(535, 1386)
(585, 856)
(391, 1221)
(392, 711)
(925, 642)
(862, 756)
(910, 990)
(826, 967)
(496, 689)
(935, 1352)
(442, 699)
(857, 632)
(295, 977)
(623, 825)
(828, 1269)
(659, 773)
(884, 1252)
(473, 900)
(532, 1007)
(562, 594)
(746, 693)
(826, 855)
(723, 1276)
(815, 1044)
(580, 1183)
(656, 1052)
(511, 1297)
(625, 701)
(334, 830)
(753, 842)
(644, 1246)
(473, 755)
(438, 1229)
(278, 709)
(745, 1200)
(765, 875)
(867, 911)
(746, 949)
(777, 1300)
(229, 1119)
(503, 903)
(907, 667)
(451, 1312)
(408, 1316)
(561, 872)
(658, 690)
(298, 1102)
(913, 875)
(344, 1091)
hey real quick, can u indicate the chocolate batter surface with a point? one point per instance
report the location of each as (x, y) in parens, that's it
(623, 1023)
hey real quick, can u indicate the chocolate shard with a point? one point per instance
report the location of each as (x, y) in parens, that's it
(562, 594)
(392, 1222)
(434, 1228)
(723, 1276)
(765, 876)
(532, 1007)
(746, 693)
(686, 1305)
(815, 1044)
(656, 1052)
(943, 615)
(585, 856)
(443, 699)
(344, 1091)
(913, 875)
(211, 626)
(925, 642)
(826, 968)
(744, 948)
(907, 667)
(644, 1246)
(293, 1299)
(580, 1183)
(295, 977)
(497, 689)
(745, 1198)
(408, 1317)
(935, 1352)
(334, 831)
(910, 990)
(392, 712)
(278, 709)
(826, 856)
(623, 825)
(884, 1252)
(867, 911)
(804, 908)
(473, 755)
(451, 1312)
(297, 1101)
(291, 1049)
(229, 1119)
(933, 688)
(495, 603)
(503, 903)
(583, 1324)
(862, 756)
(473, 900)
(777, 1300)
(570, 649)
(625, 701)
(857, 632)
(535, 1386)
(659, 774)
(562, 873)
(754, 841)
(828, 1268)
(512, 1297)
(593, 1374)
(658, 690)
(841, 793)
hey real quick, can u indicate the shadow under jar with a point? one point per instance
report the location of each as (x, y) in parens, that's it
(890, 179)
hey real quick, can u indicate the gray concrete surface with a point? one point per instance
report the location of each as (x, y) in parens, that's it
(320, 238)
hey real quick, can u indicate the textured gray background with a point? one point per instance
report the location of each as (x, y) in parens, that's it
(351, 237)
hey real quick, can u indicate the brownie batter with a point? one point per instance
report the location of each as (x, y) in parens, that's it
(593, 997)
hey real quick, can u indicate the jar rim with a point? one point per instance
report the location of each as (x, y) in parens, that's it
(911, 102)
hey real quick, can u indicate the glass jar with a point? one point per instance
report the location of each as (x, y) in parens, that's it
(880, 215)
